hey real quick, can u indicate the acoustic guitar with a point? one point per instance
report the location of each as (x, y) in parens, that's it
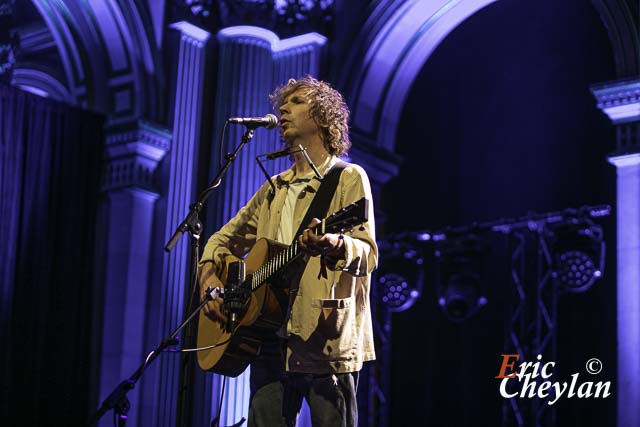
(270, 268)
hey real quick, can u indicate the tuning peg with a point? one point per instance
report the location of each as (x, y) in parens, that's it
(361, 228)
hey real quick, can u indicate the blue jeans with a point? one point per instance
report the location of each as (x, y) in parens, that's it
(276, 396)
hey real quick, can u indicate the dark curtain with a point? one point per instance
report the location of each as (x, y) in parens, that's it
(50, 161)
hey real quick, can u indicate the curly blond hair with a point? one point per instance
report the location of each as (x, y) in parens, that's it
(328, 110)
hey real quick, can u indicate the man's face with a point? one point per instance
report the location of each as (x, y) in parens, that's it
(296, 123)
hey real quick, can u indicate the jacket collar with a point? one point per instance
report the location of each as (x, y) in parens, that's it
(285, 177)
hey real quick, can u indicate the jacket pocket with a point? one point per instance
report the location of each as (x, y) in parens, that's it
(336, 320)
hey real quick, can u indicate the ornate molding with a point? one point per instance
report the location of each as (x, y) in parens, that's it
(9, 40)
(287, 18)
(35, 40)
(108, 53)
(625, 160)
(619, 100)
(271, 40)
(73, 45)
(132, 156)
(41, 83)
(191, 31)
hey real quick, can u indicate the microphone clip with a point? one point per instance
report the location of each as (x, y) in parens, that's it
(236, 296)
(235, 301)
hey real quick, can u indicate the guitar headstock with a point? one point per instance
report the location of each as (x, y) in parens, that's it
(347, 218)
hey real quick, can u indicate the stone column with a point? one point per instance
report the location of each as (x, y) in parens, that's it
(252, 62)
(182, 178)
(621, 102)
(132, 155)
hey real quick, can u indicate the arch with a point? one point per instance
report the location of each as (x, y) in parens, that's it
(107, 55)
(57, 18)
(619, 21)
(399, 37)
(41, 83)
(395, 56)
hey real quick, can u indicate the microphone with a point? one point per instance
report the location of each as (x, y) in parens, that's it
(234, 295)
(268, 121)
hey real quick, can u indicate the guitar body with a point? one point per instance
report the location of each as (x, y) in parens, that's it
(264, 315)
(270, 269)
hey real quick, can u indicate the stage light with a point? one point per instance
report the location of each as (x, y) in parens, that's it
(400, 277)
(423, 237)
(578, 254)
(396, 292)
(461, 297)
(459, 265)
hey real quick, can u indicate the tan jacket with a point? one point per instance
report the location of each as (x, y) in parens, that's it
(330, 325)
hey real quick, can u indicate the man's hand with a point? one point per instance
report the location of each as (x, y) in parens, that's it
(329, 245)
(208, 278)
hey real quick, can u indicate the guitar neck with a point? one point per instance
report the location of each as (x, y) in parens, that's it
(272, 266)
(338, 222)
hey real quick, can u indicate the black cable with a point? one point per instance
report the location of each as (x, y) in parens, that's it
(187, 350)
(220, 150)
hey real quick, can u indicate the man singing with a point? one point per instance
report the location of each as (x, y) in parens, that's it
(327, 334)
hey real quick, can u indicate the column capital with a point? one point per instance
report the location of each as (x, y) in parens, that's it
(620, 100)
(189, 30)
(249, 34)
(132, 153)
(625, 160)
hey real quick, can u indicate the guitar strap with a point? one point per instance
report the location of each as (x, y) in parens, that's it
(292, 399)
(318, 209)
(320, 203)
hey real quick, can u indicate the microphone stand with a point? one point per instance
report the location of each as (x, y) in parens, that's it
(117, 400)
(193, 226)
